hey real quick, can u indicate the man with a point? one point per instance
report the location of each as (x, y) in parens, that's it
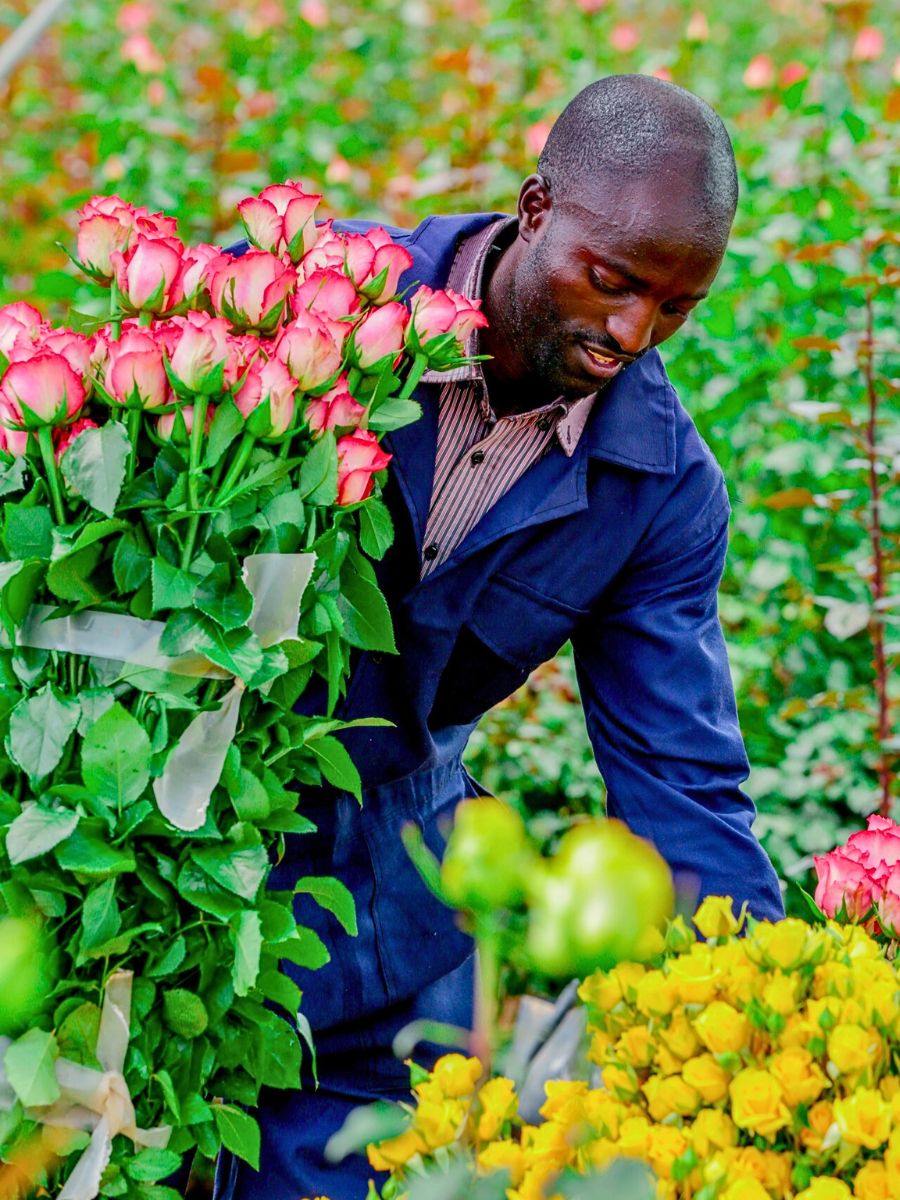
(556, 491)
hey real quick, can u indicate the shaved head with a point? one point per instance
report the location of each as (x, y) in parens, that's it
(639, 128)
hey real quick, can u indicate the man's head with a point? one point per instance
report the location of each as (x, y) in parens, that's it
(621, 232)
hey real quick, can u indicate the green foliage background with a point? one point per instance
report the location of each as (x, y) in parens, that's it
(395, 110)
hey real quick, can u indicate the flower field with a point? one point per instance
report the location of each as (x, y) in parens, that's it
(191, 466)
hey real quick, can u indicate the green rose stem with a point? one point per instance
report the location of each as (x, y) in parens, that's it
(133, 425)
(45, 442)
(115, 316)
(196, 446)
(416, 371)
(241, 457)
(487, 984)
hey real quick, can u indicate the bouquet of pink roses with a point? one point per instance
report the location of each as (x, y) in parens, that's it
(189, 502)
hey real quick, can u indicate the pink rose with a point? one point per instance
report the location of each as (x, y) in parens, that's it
(335, 410)
(869, 44)
(135, 373)
(251, 290)
(359, 457)
(65, 435)
(107, 225)
(42, 391)
(171, 429)
(844, 884)
(16, 320)
(75, 348)
(760, 73)
(435, 314)
(148, 274)
(271, 383)
(194, 266)
(279, 220)
(379, 336)
(309, 350)
(888, 908)
(13, 440)
(388, 264)
(198, 356)
(877, 847)
(243, 349)
(327, 292)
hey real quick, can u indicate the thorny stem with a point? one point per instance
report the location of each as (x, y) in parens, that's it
(876, 626)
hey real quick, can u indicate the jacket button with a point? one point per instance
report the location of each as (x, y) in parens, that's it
(477, 457)
(431, 552)
(544, 424)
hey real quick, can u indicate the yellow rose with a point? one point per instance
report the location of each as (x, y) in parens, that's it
(757, 1103)
(600, 1044)
(395, 1152)
(621, 1081)
(715, 917)
(565, 1100)
(882, 998)
(438, 1118)
(634, 1137)
(799, 1030)
(784, 944)
(498, 1103)
(825, 1188)
(709, 1079)
(780, 993)
(821, 1119)
(535, 1181)
(723, 1029)
(655, 995)
(670, 1095)
(695, 975)
(833, 979)
(871, 1183)
(712, 1130)
(505, 1153)
(456, 1075)
(853, 1049)
(679, 1038)
(745, 1189)
(664, 1144)
(739, 976)
(679, 936)
(600, 991)
(636, 1047)
(799, 1076)
(604, 1112)
(864, 1118)
(628, 975)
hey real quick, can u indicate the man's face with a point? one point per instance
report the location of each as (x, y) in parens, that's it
(603, 277)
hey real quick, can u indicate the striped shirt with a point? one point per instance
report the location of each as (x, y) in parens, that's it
(480, 455)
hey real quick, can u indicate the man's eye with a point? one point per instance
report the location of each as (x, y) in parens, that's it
(602, 286)
(672, 310)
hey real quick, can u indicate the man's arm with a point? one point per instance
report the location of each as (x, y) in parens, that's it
(660, 710)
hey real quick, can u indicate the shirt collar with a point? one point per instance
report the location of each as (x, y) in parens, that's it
(466, 276)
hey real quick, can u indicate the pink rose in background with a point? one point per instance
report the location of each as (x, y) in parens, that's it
(327, 292)
(269, 381)
(65, 435)
(251, 290)
(279, 219)
(359, 457)
(135, 371)
(877, 847)
(169, 429)
(309, 350)
(336, 409)
(844, 883)
(869, 44)
(148, 274)
(760, 73)
(199, 351)
(44, 390)
(379, 336)
(17, 320)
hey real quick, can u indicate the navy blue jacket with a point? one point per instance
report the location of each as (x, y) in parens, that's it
(619, 548)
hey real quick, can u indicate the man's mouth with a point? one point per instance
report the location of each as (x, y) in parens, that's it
(598, 364)
(606, 359)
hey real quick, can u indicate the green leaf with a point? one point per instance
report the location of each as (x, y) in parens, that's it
(239, 1132)
(248, 944)
(68, 577)
(281, 989)
(318, 474)
(87, 852)
(237, 651)
(100, 917)
(332, 895)
(306, 949)
(367, 619)
(172, 587)
(151, 1164)
(131, 564)
(198, 889)
(336, 765)
(19, 582)
(94, 465)
(170, 961)
(376, 529)
(115, 757)
(226, 425)
(12, 476)
(39, 728)
(393, 414)
(225, 599)
(249, 797)
(29, 1067)
(77, 1035)
(37, 830)
(28, 532)
(239, 870)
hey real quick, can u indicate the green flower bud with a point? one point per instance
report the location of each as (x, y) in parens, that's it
(184, 1013)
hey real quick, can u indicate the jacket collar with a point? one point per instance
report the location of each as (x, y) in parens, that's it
(633, 420)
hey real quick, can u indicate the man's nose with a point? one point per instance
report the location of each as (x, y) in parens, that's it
(632, 327)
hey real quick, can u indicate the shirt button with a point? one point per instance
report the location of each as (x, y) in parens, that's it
(544, 424)
(431, 552)
(477, 457)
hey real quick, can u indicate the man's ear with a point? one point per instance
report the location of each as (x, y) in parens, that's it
(534, 206)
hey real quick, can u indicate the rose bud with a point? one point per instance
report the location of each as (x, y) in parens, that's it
(148, 275)
(359, 457)
(309, 350)
(335, 410)
(388, 265)
(200, 350)
(328, 293)
(378, 336)
(435, 314)
(135, 373)
(44, 390)
(17, 319)
(107, 225)
(251, 290)
(279, 219)
(176, 426)
(65, 435)
(194, 267)
(268, 383)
